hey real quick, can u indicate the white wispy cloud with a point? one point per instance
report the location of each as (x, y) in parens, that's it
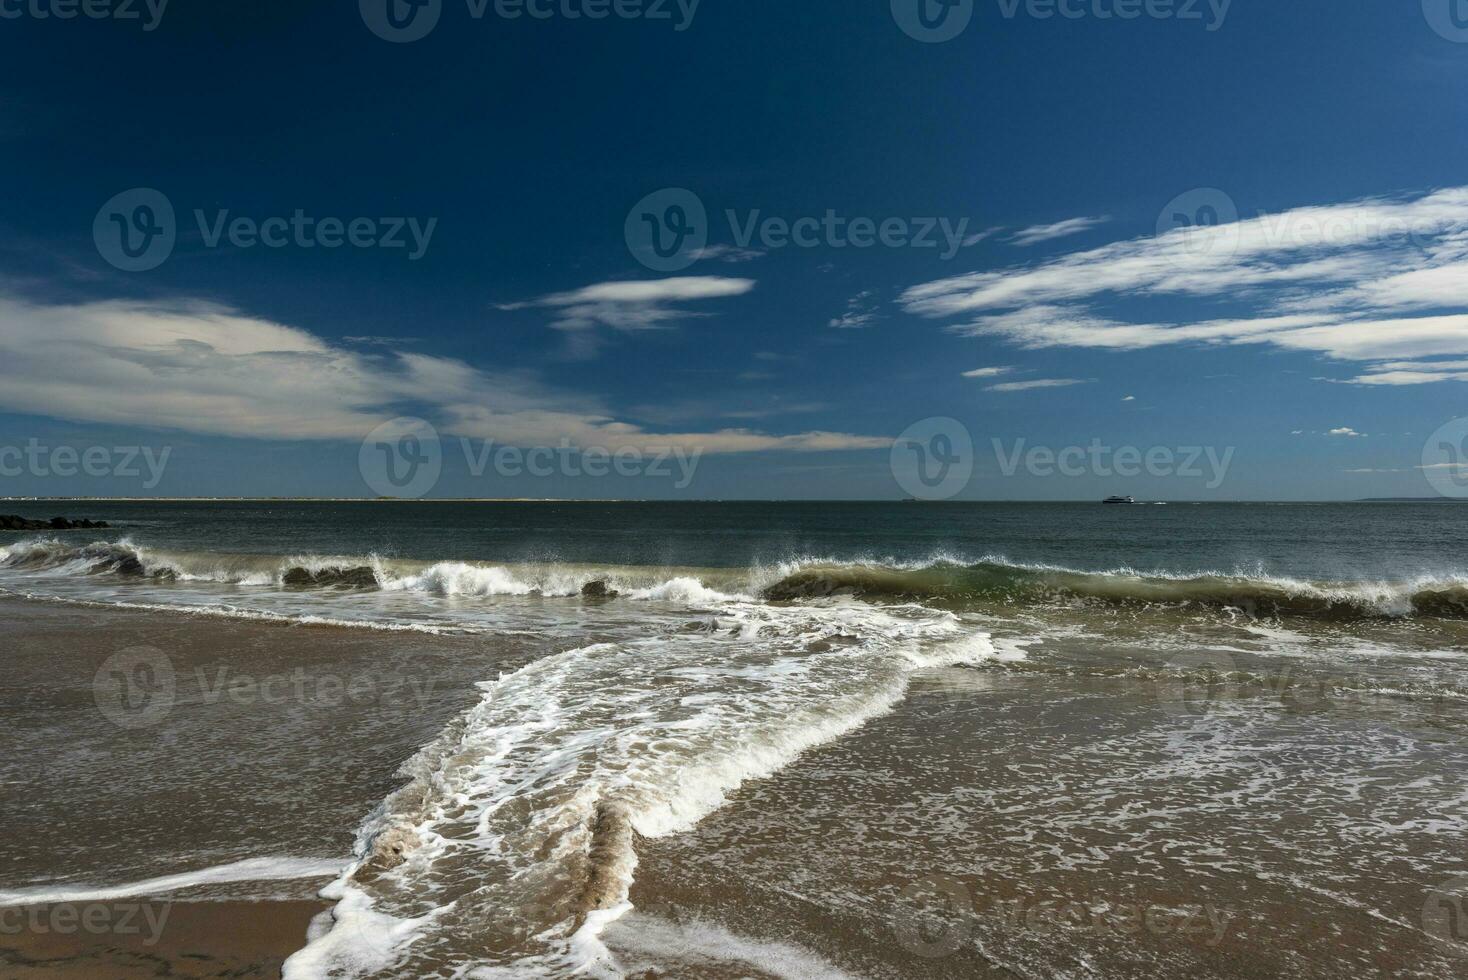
(1346, 430)
(1036, 234)
(628, 306)
(1412, 373)
(1381, 279)
(980, 236)
(860, 312)
(633, 304)
(207, 369)
(728, 253)
(987, 372)
(1037, 383)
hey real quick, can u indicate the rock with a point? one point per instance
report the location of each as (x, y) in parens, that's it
(389, 849)
(831, 643)
(14, 522)
(700, 626)
(354, 577)
(598, 590)
(129, 565)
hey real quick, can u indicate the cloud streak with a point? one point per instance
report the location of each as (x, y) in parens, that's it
(1381, 279)
(207, 369)
(1036, 383)
(635, 304)
(1035, 234)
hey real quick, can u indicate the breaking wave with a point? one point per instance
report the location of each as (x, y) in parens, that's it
(947, 582)
(954, 585)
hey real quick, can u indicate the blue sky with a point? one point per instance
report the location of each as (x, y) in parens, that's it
(1322, 337)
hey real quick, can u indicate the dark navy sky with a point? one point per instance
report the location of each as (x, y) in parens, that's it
(528, 142)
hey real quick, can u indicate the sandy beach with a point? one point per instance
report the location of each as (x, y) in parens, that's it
(718, 766)
(248, 940)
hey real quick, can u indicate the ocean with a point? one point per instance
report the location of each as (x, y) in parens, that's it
(756, 739)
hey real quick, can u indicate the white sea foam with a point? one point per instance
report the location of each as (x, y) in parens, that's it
(459, 579)
(648, 943)
(531, 799)
(684, 589)
(251, 869)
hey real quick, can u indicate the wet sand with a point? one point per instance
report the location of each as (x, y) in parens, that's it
(243, 940)
(1007, 825)
(259, 755)
(1057, 817)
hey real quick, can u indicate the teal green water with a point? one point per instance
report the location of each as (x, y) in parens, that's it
(1343, 542)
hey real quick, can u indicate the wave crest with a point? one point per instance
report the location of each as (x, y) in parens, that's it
(1256, 596)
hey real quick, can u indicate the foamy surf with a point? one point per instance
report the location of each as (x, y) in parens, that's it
(251, 869)
(534, 799)
(646, 943)
(942, 578)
